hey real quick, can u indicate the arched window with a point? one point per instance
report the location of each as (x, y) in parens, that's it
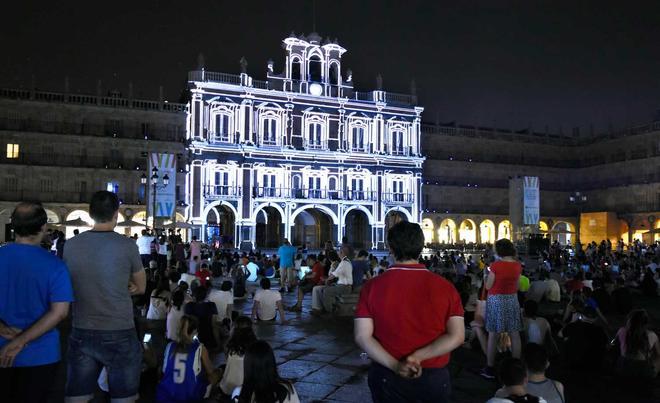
(296, 71)
(334, 74)
(315, 135)
(315, 69)
(222, 127)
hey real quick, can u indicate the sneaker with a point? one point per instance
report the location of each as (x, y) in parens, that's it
(487, 373)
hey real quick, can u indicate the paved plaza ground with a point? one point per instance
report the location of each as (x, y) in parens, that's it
(319, 355)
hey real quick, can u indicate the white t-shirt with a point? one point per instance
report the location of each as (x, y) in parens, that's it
(553, 292)
(162, 249)
(267, 303)
(221, 299)
(173, 321)
(144, 244)
(233, 375)
(344, 272)
(158, 305)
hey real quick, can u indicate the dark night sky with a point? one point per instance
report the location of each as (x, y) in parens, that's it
(480, 62)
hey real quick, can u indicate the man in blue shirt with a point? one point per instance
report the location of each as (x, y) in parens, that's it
(287, 254)
(35, 292)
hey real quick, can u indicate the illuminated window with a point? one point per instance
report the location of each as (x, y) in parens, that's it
(12, 151)
(112, 187)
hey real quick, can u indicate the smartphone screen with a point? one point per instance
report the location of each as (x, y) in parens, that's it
(147, 338)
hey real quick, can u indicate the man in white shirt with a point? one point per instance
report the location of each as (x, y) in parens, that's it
(323, 296)
(267, 302)
(223, 299)
(144, 247)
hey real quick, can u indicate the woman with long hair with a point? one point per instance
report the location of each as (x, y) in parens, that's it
(502, 307)
(159, 302)
(174, 314)
(638, 346)
(242, 336)
(188, 370)
(262, 383)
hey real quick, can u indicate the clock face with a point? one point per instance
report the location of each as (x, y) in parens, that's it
(315, 89)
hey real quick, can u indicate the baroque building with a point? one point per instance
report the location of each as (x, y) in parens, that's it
(301, 155)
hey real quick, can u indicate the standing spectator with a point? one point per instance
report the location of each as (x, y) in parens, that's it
(409, 339)
(360, 270)
(502, 308)
(36, 292)
(106, 270)
(144, 247)
(195, 251)
(286, 253)
(267, 303)
(162, 252)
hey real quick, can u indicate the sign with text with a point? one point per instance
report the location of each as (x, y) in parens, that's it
(165, 194)
(531, 200)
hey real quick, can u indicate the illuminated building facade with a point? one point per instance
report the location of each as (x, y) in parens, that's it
(301, 155)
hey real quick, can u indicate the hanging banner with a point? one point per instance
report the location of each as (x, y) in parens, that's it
(531, 200)
(165, 194)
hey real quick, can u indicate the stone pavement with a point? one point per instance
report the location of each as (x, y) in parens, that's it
(320, 356)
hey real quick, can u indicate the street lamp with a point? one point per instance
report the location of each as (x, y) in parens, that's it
(155, 186)
(578, 199)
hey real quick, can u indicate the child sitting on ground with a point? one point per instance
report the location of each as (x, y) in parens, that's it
(537, 363)
(513, 374)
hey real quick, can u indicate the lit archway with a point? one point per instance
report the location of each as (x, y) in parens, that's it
(563, 232)
(487, 231)
(504, 230)
(543, 226)
(393, 217)
(447, 231)
(656, 236)
(53, 218)
(467, 232)
(623, 230)
(427, 229)
(220, 226)
(74, 215)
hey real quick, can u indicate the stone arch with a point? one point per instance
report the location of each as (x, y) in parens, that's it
(467, 231)
(427, 229)
(400, 210)
(487, 231)
(219, 203)
(276, 206)
(325, 209)
(505, 230)
(447, 231)
(563, 231)
(361, 208)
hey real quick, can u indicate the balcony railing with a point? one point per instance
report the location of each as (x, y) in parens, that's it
(203, 75)
(222, 192)
(398, 198)
(313, 194)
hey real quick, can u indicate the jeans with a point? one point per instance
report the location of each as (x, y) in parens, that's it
(27, 384)
(119, 351)
(387, 387)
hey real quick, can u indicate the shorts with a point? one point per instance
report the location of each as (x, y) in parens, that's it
(306, 286)
(119, 351)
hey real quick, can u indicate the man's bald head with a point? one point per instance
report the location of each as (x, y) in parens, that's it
(28, 219)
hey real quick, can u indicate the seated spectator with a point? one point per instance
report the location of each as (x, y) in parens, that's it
(537, 329)
(553, 292)
(585, 342)
(157, 315)
(537, 363)
(223, 300)
(512, 373)
(575, 283)
(174, 315)
(538, 288)
(205, 312)
(242, 336)
(174, 276)
(262, 383)
(602, 297)
(311, 280)
(239, 277)
(639, 347)
(267, 303)
(588, 281)
(360, 270)
(340, 281)
(621, 297)
(184, 379)
(649, 286)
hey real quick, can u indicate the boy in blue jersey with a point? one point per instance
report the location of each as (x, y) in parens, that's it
(36, 291)
(187, 370)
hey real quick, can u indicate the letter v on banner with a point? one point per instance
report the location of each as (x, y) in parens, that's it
(165, 194)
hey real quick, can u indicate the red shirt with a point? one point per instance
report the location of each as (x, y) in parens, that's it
(507, 275)
(410, 307)
(202, 275)
(318, 271)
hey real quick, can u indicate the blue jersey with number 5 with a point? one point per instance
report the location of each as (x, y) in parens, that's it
(183, 377)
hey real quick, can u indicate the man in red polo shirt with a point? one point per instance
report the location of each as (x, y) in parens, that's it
(408, 320)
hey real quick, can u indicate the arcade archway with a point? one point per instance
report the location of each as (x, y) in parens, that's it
(487, 231)
(447, 231)
(467, 232)
(427, 229)
(313, 228)
(357, 229)
(504, 230)
(221, 226)
(269, 231)
(563, 232)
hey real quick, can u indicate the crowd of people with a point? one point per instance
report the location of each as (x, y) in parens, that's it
(154, 302)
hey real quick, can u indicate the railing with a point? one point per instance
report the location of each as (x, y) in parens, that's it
(398, 198)
(315, 145)
(363, 96)
(222, 192)
(92, 129)
(87, 99)
(400, 99)
(260, 84)
(313, 194)
(202, 75)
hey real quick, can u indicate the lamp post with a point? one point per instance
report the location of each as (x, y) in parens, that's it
(578, 199)
(155, 186)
